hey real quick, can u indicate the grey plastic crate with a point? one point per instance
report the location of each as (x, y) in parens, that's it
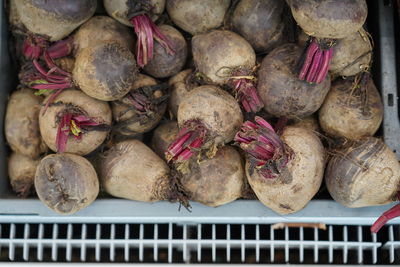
(34, 217)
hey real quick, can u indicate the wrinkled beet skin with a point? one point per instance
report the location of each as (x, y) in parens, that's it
(72, 10)
(351, 175)
(283, 94)
(329, 18)
(65, 185)
(260, 23)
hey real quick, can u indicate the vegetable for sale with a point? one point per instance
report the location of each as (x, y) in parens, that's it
(21, 171)
(75, 123)
(352, 109)
(181, 84)
(217, 181)
(208, 118)
(283, 94)
(224, 57)
(364, 173)
(66, 183)
(133, 171)
(325, 22)
(284, 171)
(21, 125)
(140, 15)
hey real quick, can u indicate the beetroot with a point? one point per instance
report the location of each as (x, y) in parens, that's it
(75, 123)
(224, 57)
(105, 71)
(195, 16)
(284, 171)
(66, 183)
(260, 23)
(133, 171)
(140, 15)
(208, 117)
(365, 173)
(325, 21)
(21, 125)
(282, 93)
(217, 181)
(21, 171)
(352, 109)
(51, 21)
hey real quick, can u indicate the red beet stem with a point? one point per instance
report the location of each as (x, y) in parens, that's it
(314, 66)
(248, 96)
(262, 144)
(61, 48)
(317, 61)
(34, 46)
(311, 50)
(385, 217)
(146, 31)
(189, 140)
(65, 129)
(327, 56)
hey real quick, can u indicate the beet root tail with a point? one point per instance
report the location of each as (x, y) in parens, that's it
(146, 31)
(385, 217)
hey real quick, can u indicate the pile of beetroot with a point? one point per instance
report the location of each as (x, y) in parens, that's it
(209, 101)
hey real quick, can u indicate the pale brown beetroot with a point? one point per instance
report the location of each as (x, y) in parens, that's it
(133, 171)
(21, 125)
(101, 29)
(140, 15)
(181, 84)
(325, 22)
(352, 54)
(224, 57)
(197, 17)
(260, 23)
(352, 109)
(66, 183)
(208, 117)
(284, 171)
(365, 173)
(142, 108)
(21, 171)
(75, 123)
(283, 94)
(165, 64)
(217, 181)
(106, 71)
(163, 136)
(47, 21)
